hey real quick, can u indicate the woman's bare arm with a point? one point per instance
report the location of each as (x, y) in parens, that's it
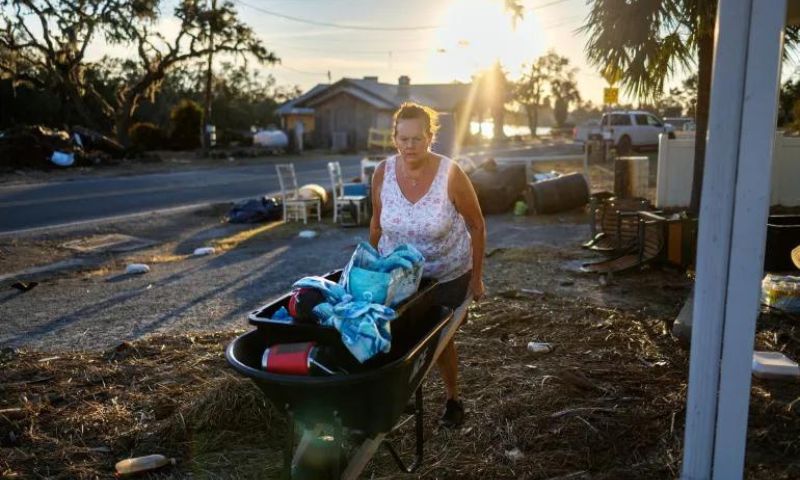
(466, 202)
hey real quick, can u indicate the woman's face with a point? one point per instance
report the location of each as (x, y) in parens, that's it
(411, 139)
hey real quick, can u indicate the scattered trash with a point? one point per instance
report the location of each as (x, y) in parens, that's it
(62, 159)
(148, 463)
(514, 454)
(774, 365)
(94, 141)
(24, 286)
(520, 208)
(199, 252)
(264, 209)
(541, 177)
(307, 234)
(136, 268)
(781, 292)
(32, 146)
(521, 293)
(540, 347)
(36, 146)
(532, 292)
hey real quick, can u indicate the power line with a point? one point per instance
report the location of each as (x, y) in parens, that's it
(321, 74)
(348, 51)
(336, 25)
(545, 5)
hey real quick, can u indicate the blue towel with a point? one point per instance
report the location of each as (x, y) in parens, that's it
(364, 326)
(403, 267)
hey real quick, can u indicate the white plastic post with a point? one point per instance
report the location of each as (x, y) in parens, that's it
(732, 224)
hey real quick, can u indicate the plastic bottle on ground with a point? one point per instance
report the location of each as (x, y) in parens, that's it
(133, 466)
(540, 347)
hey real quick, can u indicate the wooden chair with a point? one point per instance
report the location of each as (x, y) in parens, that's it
(342, 201)
(294, 205)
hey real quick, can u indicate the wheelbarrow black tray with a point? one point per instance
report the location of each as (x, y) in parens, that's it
(370, 401)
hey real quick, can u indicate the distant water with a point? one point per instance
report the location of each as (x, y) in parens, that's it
(487, 129)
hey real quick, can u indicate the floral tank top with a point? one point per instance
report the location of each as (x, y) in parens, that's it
(432, 224)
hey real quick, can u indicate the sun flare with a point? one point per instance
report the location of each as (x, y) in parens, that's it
(476, 33)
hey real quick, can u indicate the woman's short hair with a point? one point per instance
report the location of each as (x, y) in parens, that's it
(411, 110)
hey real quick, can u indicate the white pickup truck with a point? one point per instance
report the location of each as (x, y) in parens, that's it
(627, 130)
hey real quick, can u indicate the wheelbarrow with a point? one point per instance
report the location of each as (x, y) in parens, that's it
(344, 419)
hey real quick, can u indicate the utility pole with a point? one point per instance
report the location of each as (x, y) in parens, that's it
(206, 126)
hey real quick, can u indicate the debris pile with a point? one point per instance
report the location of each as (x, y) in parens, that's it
(39, 147)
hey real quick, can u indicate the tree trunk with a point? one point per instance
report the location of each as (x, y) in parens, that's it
(705, 60)
(498, 119)
(72, 98)
(122, 123)
(533, 118)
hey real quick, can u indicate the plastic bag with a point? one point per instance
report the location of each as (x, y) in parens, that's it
(401, 269)
(781, 292)
(253, 211)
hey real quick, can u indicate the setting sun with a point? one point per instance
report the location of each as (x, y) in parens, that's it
(475, 33)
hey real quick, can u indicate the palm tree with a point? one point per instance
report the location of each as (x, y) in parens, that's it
(645, 42)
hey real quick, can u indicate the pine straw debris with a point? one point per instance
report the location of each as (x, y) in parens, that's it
(607, 403)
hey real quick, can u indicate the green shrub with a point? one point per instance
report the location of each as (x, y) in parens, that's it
(187, 117)
(146, 136)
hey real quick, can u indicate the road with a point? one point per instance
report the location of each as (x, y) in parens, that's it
(36, 206)
(25, 207)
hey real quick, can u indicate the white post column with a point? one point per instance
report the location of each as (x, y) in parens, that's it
(733, 217)
(751, 209)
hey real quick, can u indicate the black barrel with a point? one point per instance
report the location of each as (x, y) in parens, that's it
(559, 194)
(783, 234)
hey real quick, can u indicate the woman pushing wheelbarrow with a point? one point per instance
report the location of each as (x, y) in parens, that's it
(425, 200)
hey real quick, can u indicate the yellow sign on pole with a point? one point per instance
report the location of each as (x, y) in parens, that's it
(610, 96)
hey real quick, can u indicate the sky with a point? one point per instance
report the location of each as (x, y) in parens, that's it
(466, 35)
(431, 41)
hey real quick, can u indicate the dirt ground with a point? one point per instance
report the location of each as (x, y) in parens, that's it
(607, 403)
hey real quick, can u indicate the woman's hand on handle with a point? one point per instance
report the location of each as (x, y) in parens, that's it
(476, 288)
